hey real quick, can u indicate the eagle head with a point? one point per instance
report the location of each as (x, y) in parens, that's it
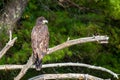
(41, 20)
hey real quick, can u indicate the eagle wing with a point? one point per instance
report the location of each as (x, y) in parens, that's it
(40, 40)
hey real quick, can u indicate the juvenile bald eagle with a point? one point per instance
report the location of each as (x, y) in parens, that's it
(40, 41)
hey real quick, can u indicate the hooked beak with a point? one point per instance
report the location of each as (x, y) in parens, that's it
(45, 21)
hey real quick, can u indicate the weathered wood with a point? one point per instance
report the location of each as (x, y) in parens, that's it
(8, 45)
(24, 69)
(66, 76)
(10, 67)
(78, 41)
(61, 46)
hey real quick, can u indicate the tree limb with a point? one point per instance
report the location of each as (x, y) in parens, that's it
(66, 76)
(9, 67)
(8, 45)
(24, 69)
(78, 41)
(82, 65)
(61, 46)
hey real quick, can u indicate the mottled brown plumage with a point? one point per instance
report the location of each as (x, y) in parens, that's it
(40, 41)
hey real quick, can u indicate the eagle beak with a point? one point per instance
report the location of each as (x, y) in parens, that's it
(45, 21)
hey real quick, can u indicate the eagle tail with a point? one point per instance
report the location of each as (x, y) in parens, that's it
(38, 63)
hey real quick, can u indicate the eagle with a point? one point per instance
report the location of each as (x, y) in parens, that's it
(40, 41)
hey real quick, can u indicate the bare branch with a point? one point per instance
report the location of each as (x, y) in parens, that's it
(81, 65)
(8, 45)
(61, 46)
(24, 69)
(7, 67)
(66, 76)
(78, 41)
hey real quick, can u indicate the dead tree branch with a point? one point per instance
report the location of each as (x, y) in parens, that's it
(8, 45)
(66, 76)
(11, 67)
(78, 41)
(61, 46)
(81, 65)
(24, 69)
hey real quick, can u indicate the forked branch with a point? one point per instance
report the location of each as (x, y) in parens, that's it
(61, 46)
(8, 45)
(68, 43)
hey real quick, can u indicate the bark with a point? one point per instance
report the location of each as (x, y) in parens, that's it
(10, 15)
(12, 12)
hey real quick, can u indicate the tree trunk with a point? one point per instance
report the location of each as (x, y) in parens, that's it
(12, 12)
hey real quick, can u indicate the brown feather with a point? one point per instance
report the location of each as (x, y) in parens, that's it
(40, 42)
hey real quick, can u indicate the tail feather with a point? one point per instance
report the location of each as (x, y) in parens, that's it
(38, 63)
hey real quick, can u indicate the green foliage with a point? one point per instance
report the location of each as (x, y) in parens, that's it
(57, 56)
(115, 9)
(102, 18)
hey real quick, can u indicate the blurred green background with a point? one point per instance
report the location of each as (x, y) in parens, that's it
(102, 17)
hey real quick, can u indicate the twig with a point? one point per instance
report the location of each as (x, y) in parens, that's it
(68, 3)
(61, 46)
(8, 45)
(8, 67)
(68, 38)
(10, 35)
(66, 76)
